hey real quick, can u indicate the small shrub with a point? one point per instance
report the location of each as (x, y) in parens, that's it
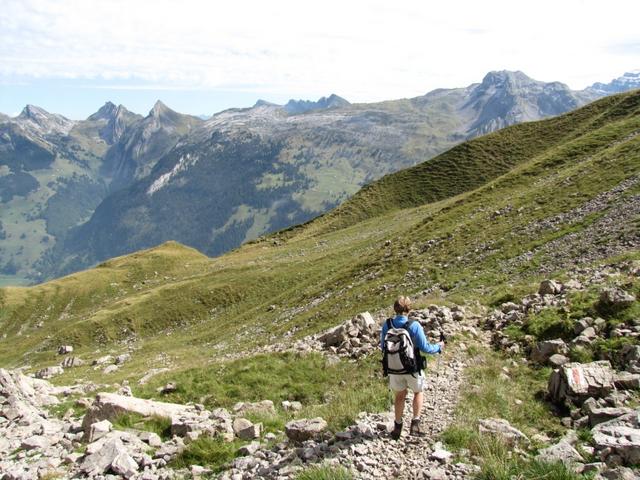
(212, 452)
(457, 437)
(610, 349)
(580, 355)
(155, 424)
(325, 473)
(549, 324)
(498, 462)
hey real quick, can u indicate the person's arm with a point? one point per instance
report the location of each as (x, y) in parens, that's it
(421, 340)
(383, 332)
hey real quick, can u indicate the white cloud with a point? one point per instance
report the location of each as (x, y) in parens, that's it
(365, 50)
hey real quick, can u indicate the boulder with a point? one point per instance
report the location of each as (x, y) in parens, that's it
(305, 429)
(38, 442)
(107, 406)
(542, 351)
(627, 381)
(288, 406)
(601, 415)
(124, 465)
(49, 372)
(364, 321)
(70, 362)
(616, 298)
(557, 360)
(619, 439)
(334, 337)
(502, 428)
(562, 451)
(249, 449)
(99, 460)
(575, 382)
(151, 438)
(65, 349)
(631, 354)
(110, 369)
(168, 388)
(245, 430)
(103, 360)
(265, 407)
(98, 430)
(120, 359)
(550, 287)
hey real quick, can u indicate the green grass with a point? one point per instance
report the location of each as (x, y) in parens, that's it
(335, 392)
(212, 452)
(499, 462)
(189, 309)
(325, 473)
(159, 425)
(519, 400)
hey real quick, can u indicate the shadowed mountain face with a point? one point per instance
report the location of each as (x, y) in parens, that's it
(54, 172)
(136, 182)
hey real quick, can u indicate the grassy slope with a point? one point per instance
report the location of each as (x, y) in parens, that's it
(318, 275)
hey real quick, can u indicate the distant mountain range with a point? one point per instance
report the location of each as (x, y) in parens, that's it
(74, 193)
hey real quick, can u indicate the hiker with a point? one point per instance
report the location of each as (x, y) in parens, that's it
(404, 367)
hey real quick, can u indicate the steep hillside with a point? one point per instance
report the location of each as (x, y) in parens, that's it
(246, 172)
(559, 198)
(548, 196)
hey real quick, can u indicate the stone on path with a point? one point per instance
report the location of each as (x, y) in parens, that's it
(305, 429)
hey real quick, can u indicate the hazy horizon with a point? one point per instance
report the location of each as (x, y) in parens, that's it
(201, 57)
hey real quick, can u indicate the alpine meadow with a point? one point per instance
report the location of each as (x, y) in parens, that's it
(319, 241)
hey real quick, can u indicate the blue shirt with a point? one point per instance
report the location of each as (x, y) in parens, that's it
(415, 330)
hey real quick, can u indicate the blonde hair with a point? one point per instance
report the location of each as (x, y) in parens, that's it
(402, 305)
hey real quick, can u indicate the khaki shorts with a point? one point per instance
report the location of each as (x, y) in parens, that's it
(398, 383)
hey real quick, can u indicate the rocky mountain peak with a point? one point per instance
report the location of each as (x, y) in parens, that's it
(628, 81)
(264, 103)
(106, 112)
(506, 77)
(294, 107)
(36, 118)
(32, 112)
(160, 109)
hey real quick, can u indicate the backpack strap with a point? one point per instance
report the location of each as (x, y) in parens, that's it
(407, 325)
(389, 323)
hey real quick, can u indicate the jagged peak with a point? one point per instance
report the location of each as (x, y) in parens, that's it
(301, 106)
(264, 103)
(107, 111)
(33, 112)
(497, 77)
(159, 108)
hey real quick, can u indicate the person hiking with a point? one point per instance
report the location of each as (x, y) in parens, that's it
(408, 371)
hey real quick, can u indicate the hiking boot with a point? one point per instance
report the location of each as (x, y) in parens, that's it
(397, 430)
(415, 428)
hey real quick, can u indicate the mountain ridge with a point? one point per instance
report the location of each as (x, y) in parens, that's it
(305, 164)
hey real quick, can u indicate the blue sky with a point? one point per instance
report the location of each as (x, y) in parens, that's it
(201, 56)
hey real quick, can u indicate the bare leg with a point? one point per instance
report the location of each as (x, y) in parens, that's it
(399, 404)
(418, 398)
